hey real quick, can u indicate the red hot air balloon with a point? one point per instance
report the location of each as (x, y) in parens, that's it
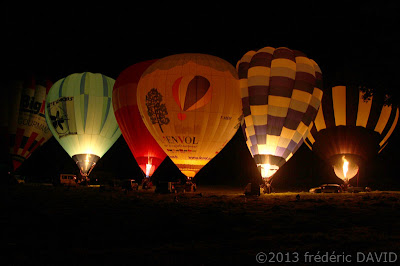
(144, 148)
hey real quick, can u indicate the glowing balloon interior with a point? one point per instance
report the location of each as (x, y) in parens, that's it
(345, 168)
(267, 170)
(85, 162)
(281, 93)
(190, 103)
(80, 116)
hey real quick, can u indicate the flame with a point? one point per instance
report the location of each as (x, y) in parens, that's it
(268, 170)
(149, 165)
(345, 166)
(148, 168)
(87, 161)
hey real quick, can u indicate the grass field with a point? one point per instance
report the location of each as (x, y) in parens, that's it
(45, 225)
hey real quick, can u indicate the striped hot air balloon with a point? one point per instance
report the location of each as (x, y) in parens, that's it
(80, 115)
(350, 127)
(281, 93)
(27, 125)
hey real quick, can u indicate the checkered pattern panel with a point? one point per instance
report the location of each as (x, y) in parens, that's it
(281, 93)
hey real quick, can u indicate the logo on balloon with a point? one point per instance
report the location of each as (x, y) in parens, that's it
(59, 117)
(156, 110)
(57, 121)
(30, 105)
(191, 93)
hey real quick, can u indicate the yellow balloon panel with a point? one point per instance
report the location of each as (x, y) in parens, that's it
(191, 105)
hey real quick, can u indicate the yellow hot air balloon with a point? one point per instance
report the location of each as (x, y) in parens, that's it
(80, 115)
(191, 105)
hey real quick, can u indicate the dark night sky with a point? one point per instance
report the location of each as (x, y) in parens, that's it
(351, 44)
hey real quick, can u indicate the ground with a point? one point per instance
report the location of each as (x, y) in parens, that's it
(45, 225)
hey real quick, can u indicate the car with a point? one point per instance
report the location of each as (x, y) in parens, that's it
(327, 188)
(68, 180)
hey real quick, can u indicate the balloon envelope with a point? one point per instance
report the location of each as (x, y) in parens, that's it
(80, 115)
(27, 126)
(191, 105)
(349, 124)
(143, 146)
(281, 93)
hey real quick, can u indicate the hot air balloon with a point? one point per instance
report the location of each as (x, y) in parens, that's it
(191, 105)
(80, 116)
(27, 125)
(143, 146)
(281, 93)
(351, 128)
